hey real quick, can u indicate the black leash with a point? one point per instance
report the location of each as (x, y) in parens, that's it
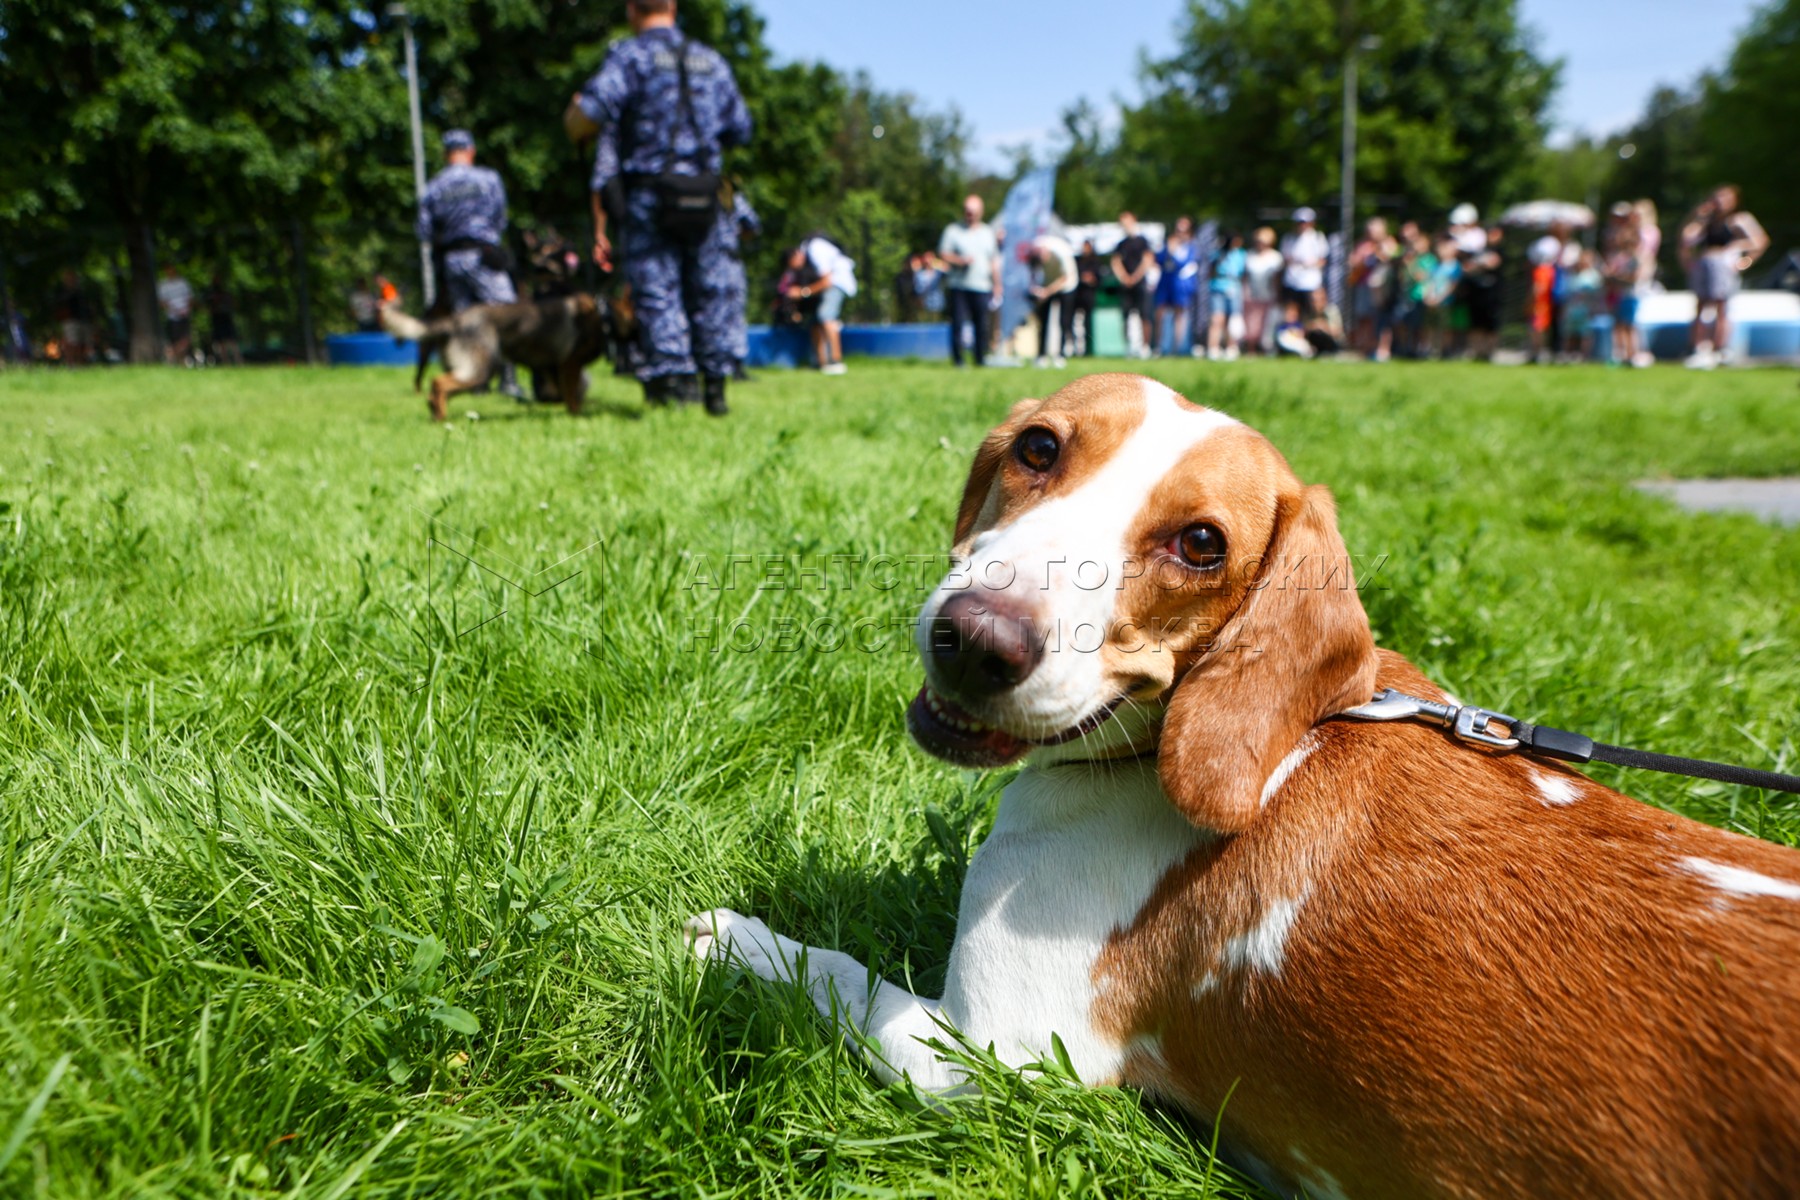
(1471, 724)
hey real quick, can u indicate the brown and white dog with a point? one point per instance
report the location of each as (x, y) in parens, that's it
(1400, 965)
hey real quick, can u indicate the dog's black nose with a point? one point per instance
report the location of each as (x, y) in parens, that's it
(982, 646)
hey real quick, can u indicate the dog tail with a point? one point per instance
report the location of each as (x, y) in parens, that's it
(402, 326)
(430, 336)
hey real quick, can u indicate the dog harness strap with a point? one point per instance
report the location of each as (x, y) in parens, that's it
(1471, 724)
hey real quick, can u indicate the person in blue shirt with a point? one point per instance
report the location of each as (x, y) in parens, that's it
(1180, 283)
(462, 216)
(1225, 293)
(669, 109)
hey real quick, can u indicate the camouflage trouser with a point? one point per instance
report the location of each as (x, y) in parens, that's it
(689, 299)
(468, 282)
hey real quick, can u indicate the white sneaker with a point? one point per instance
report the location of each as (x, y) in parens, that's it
(1231, 354)
(1059, 362)
(1702, 359)
(836, 368)
(1042, 363)
(1643, 358)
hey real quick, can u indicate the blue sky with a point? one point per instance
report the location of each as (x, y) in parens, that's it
(1012, 67)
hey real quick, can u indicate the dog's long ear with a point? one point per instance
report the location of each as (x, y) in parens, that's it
(1298, 650)
(987, 464)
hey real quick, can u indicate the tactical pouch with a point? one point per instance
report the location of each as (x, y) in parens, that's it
(496, 258)
(687, 206)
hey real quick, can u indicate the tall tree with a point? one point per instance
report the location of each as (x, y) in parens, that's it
(1087, 167)
(1748, 116)
(1246, 114)
(129, 112)
(1664, 164)
(265, 135)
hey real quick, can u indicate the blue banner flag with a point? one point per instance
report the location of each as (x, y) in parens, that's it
(1025, 215)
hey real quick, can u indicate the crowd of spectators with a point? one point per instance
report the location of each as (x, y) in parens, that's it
(1398, 291)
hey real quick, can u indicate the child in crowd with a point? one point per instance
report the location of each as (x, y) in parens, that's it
(1371, 296)
(1417, 267)
(1621, 272)
(1582, 298)
(1225, 291)
(1439, 295)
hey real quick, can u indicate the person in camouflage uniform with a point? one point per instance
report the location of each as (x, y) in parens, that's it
(463, 217)
(689, 296)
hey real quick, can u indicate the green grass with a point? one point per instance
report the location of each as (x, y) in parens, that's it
(316, 885)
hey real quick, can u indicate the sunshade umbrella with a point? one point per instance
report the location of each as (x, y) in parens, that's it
(1541, 214)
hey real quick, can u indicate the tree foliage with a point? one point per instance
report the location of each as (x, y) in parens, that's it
(1748, 115)
(1664, 164)
(249, 138)
(121, 116)
(1087, 187)
(1734, 124)
(1247, 113)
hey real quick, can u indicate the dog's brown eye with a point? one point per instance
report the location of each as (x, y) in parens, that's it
(1201, 546)
(1037, 448)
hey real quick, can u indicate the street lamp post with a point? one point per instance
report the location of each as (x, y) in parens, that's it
(1347, 169)
(399, 12)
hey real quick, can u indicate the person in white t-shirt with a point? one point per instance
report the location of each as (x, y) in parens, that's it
(1055, 296)
(835, 283)
(1305, 251)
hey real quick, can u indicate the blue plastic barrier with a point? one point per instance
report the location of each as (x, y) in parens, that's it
(783, 347)
(1764, 325)
(928, 342)
(1772, 339)
(1600, 338)
(1667, 340)
(369, 350)
(790, 347)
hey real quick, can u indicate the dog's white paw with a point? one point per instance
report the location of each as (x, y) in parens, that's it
(723, 936)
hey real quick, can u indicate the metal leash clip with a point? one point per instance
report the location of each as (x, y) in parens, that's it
(1465, 721)
(1470, 724)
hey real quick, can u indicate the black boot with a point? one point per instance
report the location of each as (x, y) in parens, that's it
(715, 395)
(684, 390)
(656, 390)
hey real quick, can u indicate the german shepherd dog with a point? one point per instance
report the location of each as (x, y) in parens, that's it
(556, 337)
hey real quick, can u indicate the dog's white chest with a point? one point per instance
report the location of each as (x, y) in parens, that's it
(1074, 854)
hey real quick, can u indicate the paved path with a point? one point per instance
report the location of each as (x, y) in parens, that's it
(1775, 500)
